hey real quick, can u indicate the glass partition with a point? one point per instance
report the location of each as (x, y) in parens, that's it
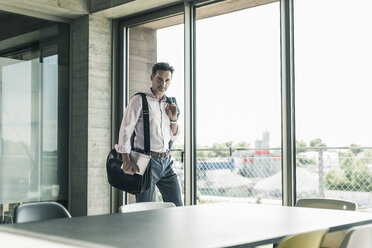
(34, 97)
(29, 132)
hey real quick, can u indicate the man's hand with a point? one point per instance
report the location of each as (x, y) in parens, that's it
(172, 111)
(128, 166)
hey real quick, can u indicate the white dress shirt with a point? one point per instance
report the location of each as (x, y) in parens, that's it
(160, 130)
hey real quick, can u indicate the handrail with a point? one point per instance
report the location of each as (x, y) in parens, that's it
(277, 148)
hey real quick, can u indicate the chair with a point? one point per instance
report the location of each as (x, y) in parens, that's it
(39, 211)
(326, 203)
(333, 239)
(304, 240)
(141, 206)
(358, 237)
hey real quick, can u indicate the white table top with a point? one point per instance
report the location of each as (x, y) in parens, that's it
(209, 225)
(18, 240)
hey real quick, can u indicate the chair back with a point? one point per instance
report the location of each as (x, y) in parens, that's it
(333, 239)
(326, 203)
(304, 240)
(142, 206)
(39, 211)
(358, 237)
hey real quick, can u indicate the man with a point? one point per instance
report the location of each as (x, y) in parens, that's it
(163, 128)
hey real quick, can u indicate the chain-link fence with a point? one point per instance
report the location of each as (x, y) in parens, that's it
(336, 172)
(254, 175)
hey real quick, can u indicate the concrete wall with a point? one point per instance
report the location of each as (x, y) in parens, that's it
(90, 115)
(56, 10)
(79, 117)
(142, 56)
(99, 114)
(121, 8)
(98, 5)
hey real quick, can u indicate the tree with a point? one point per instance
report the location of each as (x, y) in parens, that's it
(222, 150)
(355, 149)
(300, 144)
(347, 159)
(317, 143)
(219, 149)
(355, 175)
(242, 144)
(204, 152)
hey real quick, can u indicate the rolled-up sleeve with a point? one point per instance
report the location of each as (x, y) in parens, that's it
(131, 115)
(174, 137)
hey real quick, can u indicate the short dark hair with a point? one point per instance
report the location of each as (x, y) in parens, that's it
(162, 66)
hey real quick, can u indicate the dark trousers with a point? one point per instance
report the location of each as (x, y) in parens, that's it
(163, 176)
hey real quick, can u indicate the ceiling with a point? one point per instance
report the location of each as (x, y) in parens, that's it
(67, 10)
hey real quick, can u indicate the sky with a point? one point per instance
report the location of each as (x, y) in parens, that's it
(238, 73)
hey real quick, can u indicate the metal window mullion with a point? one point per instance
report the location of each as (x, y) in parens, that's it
(115, 96)
(288, 104)
(124, 89)
(190, 144)
(41, 127)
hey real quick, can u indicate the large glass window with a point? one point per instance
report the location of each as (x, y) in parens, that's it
(34, 123)
(238, 103)
(237, 97)
(333, 57)
(160, 41)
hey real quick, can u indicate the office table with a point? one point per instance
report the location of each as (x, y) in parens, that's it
(209, 225)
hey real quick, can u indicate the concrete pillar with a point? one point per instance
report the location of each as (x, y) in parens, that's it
(89, 191)
(142, 56)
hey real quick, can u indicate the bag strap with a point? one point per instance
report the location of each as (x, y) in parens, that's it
(146, 121)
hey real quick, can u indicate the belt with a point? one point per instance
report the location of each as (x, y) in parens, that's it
(153, 154)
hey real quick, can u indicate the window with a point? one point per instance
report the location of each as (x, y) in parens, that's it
(238, 121)
(238, 103)
(333, 57)
(159, 41)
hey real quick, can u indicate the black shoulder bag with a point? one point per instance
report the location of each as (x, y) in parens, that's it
(133, 184)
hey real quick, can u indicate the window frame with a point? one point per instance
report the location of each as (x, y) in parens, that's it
(188, 8)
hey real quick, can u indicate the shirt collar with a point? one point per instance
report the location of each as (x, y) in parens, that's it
(150, 94)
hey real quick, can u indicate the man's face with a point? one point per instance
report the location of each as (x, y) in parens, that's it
(160, 81)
